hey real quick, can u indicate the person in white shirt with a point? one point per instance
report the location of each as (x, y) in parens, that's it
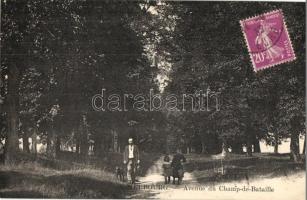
(131, 159)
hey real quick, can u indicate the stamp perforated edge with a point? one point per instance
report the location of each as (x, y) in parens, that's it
(287, 34)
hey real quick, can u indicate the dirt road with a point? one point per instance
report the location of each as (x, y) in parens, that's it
(152, 186)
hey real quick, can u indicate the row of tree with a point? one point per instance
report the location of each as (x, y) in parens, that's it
(268, 105)
(57, 54)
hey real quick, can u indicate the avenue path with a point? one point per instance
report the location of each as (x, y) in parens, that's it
(152, 186)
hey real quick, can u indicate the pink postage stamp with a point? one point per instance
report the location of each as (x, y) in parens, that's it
(267, 40)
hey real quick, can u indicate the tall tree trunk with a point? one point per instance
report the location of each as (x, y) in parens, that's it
(48, 142)
(203, 147)
(294, 147)
(276, 143)
(276, 147)
(78, 145)
(224, 148)
(83, 141)
(25, 143)
(96, 148)
(77, 139)
(237, 148)
(249, 141)
(304, 145)
(51, 144)
(249, 148)
(12, 101)
(57, 146)
(34, 141)
(84, 146)
(257, 146)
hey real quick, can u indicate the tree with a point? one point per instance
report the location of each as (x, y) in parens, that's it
(14, 34)
(205, 58)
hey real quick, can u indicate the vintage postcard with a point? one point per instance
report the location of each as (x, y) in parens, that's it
(153, 99)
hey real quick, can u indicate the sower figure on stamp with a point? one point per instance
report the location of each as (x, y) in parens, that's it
(273, 51)
(131, 159)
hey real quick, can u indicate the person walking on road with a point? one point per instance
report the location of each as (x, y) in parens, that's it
(131, 160)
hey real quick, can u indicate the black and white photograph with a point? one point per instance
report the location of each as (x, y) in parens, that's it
(153, 99)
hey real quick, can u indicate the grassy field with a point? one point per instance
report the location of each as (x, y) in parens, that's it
(34, 181)
(241, 167)
(72, 176)
(67, 177)
(108, 161)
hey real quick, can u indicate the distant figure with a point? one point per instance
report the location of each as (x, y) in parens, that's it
(131, 159)
(167, 169)
(177, 166)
